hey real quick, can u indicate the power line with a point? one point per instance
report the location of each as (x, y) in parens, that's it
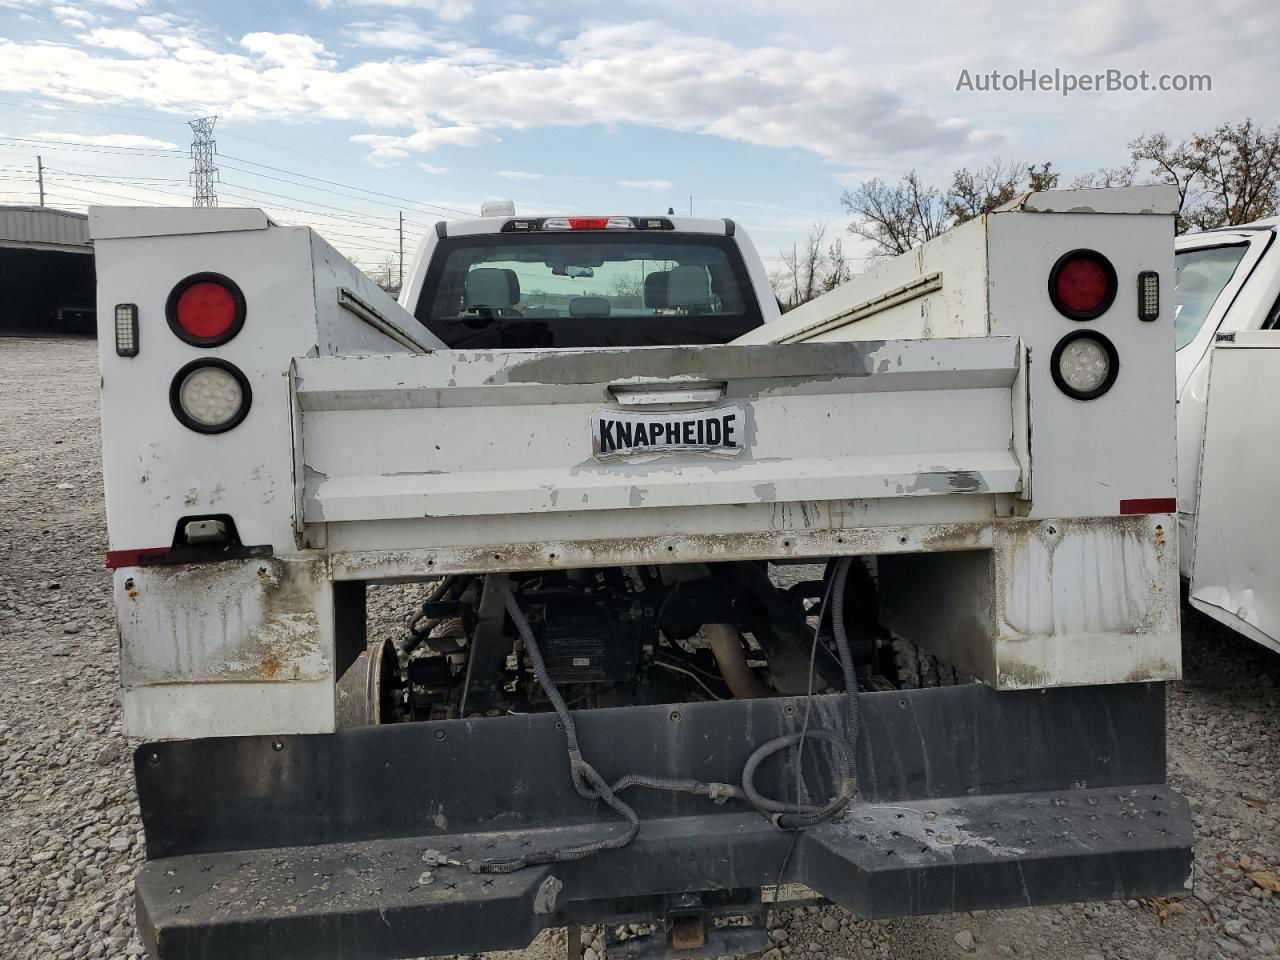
(80, 196)
(58, 105)
(335, 183)
(316, 203)
(111, 149)
(118, 177)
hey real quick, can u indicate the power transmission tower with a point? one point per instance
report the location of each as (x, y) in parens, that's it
(203, 172)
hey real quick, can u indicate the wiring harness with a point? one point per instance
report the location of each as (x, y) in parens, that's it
(590, 785)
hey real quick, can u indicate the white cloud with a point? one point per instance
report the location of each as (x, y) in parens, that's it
(518, 175)
(69, 11)
(522, 25)
(423, 141)
(451, 11)
(463, 97)
(656, 186)
(399, 33)
(428, 168)
(105, 139)
(880, 106)
(130, 41)
(74, 16)
(286, 49)
(515, 24)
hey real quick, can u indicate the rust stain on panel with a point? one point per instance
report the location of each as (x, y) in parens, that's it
(234, 621)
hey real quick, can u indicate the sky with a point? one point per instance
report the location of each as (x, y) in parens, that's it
(343, 114)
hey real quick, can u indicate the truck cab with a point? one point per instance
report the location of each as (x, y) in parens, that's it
(609, 281)
(1228, 351)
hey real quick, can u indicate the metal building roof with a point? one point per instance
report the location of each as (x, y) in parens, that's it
(44, 228)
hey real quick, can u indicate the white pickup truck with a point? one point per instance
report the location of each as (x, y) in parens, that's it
(1227, 299)
(721, 609)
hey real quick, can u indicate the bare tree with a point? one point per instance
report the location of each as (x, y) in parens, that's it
(1226, 177)
(1172, 163)
(1237, 171)
(1107, 177)
(387, 275)
(1043, 177)
(811, 270)
(974, 193)
(838, 269)
(895, 218)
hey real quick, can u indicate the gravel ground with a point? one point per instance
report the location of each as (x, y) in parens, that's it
(70, 839)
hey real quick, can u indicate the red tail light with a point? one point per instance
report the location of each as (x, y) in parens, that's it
(588, 223)
(205, 309)
(1082, 284)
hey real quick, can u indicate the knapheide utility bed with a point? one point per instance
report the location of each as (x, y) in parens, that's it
(873, 601)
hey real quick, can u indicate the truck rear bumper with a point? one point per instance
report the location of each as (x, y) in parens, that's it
(312, 846)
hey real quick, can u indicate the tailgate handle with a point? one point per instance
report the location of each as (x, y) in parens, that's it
(666, 394)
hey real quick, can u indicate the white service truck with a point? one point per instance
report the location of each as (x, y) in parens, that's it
(1227, 322)
(720, 608)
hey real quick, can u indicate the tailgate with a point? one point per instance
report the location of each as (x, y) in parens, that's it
(469, 433)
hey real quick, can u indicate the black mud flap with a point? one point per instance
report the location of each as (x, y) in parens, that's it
(313, 846)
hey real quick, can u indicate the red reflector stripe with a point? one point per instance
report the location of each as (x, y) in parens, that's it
(131, 558)
(588, 223)
(1149, 505)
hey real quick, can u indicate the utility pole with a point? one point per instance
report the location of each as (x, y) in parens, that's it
(203, 172)
(691, 204)
(795, 277)
(401, 249)
(40, 177)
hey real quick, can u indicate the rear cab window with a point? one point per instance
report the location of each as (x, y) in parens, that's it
(587, 289)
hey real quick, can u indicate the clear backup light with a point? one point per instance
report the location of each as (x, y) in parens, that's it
(126, 317)
(1148, 295)
(1084, 365)
(210, 396)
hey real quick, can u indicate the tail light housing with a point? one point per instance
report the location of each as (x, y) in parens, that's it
(210, 396)
(1082, 284)
(1084, 364)
(205, 309)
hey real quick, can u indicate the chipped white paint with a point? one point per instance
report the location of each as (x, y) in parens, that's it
(463, 433)
(185, 629)
(1156, 199)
